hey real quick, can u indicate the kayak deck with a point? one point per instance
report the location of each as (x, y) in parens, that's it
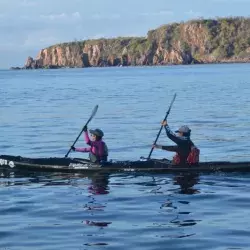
(83, 165)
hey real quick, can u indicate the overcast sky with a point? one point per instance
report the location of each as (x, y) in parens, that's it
(26, 26)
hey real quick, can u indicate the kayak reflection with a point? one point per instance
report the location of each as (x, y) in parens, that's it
(187, 181)
(99, 184)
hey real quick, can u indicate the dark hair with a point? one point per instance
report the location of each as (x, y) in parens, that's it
(98, 138)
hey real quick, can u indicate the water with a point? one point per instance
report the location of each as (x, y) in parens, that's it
(41, 114)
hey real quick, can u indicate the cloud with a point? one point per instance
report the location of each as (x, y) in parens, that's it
(159, 13)
(106, 17)
(76, 15)
(52, 17)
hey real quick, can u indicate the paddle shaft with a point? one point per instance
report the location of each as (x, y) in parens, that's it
(76, 140)
(93, 113)
(165, 118)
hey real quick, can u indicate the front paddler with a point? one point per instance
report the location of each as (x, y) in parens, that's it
(186, 151)
(98, 150)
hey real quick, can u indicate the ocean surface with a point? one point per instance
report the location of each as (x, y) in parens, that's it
(43, 111)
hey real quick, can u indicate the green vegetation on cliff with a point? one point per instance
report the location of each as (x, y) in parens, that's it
(227, 36)
(195, 41)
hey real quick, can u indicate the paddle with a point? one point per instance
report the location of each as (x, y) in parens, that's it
(162, 126)
(91, 117)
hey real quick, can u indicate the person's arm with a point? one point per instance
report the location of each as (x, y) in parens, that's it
(172, 136)
(168, 148)
(86, 138)
(94, 144)
(84, 150)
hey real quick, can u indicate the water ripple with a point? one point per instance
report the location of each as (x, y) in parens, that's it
(43, 111)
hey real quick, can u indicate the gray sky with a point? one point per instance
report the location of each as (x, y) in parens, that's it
(26, 26)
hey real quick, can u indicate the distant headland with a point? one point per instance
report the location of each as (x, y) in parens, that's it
(219, 40)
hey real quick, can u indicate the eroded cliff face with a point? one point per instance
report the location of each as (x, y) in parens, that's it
(203, 41)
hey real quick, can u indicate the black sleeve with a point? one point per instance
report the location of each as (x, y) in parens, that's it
(172, 136)
(170, 148)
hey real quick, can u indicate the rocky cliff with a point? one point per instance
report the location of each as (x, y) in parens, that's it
(196, 41)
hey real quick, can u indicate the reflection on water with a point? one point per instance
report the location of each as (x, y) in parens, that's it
(97, 224)
(103, 210)
(72, 211)
(187, 181)
(99, 184)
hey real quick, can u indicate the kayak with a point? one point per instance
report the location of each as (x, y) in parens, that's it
(55, 164)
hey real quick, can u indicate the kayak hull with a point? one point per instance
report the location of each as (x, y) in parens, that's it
(17, 163)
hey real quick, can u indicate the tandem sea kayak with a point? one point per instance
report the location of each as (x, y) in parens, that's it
(82, 165)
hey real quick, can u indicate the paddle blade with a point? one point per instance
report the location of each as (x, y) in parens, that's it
(173, 101)
(92, 115)
(171, 104)
(94, 112)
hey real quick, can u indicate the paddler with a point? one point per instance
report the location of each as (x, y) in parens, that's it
(98, 150)
(186, 151)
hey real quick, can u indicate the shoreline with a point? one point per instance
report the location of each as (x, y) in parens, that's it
(127, 66)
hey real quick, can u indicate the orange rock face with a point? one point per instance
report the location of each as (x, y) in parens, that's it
(183, 43)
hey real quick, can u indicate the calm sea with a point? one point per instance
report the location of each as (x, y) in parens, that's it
(41, 114)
